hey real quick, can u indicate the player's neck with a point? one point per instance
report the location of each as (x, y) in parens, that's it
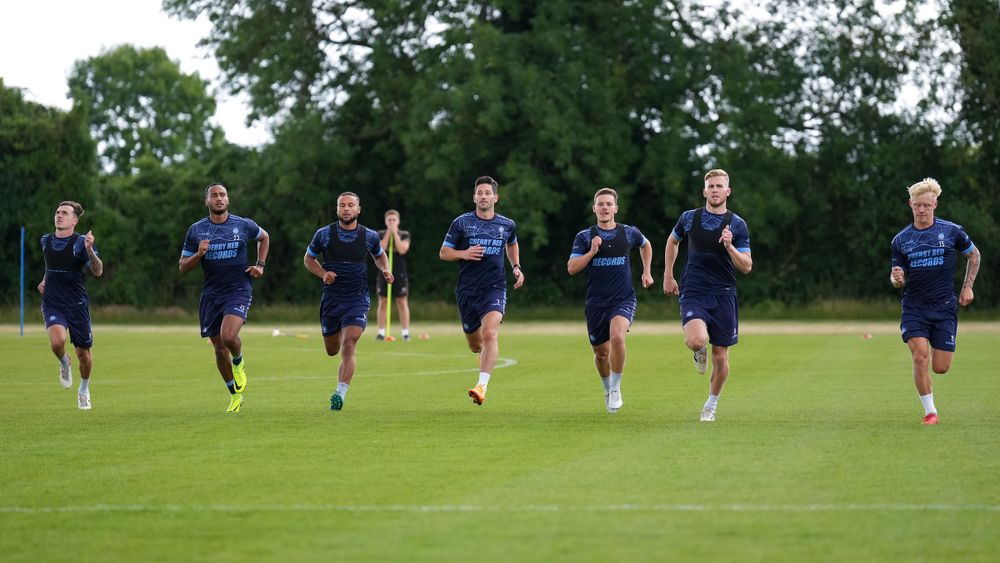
(607, 225)
(348, 226)
(718, 210)
(486, 215)
(218, 219)
(923, 225)
(63, 233)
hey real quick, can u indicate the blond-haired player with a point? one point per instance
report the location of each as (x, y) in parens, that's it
(924, 257)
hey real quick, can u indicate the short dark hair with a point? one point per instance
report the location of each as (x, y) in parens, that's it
(212, 185)
(606, 191)
(352, 194)
(486, 180)
(77, 208)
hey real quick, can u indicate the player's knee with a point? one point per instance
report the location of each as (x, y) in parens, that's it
(695, 342)
(332, 350)
(941, 368)
(231, 341)
(476, 347)
(601, 356)
(489, 334)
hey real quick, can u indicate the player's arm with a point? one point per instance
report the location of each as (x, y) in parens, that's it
(577, 264)
(41, 286)
(191, 260)
(382, 263)
(971, 271)
(399, 244)
(741, 258)
(670, 286)
(313, 265)
(449, 254)
(646, 253)
(263, 246)
(514, 255)
(96, 265)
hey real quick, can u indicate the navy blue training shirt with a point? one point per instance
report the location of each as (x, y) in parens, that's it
(929, 258)
(467, 230)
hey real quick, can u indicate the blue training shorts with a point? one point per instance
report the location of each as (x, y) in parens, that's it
(213, 309)
(335, 314)
(76, 320)
(472, 308)
(939, 326)
(720, 313)
(599, 319)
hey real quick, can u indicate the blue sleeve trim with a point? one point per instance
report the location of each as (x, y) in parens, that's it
(677, 238)
(448, 244)
(645, 241)
(260, 232)
(310, 252)
(186, 253)
(744, 250)
(574, 255)
(970, 249)
(512, 241)
(380, 252)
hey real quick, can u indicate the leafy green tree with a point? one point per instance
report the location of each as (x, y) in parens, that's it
(46, 156)
(138, 102)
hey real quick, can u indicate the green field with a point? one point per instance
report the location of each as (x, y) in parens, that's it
(817, 453)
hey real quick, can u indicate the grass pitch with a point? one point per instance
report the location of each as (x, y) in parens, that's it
(817, 453)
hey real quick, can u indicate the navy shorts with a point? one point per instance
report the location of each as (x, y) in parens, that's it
(213, 309)
(472, 308)
(400, 287)
(939, 326)
(75, 319)
(720, 313)
(599, 319)
(335, 314)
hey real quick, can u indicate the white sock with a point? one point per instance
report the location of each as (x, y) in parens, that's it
(342, 390)
(406, 332)
(84, 386)
(712, 401)
(606, 381)
(928, 402)
(381, 332)
(64, 360)
(484, 379)
(616, 381)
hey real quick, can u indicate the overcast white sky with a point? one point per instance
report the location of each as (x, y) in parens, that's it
(41, 39)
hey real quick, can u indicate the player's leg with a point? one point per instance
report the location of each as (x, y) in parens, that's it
(349, 336)
(618, 329)
(332, 343)
(720, 372)
(920, 352)
(381, 317)
(696, 339)
(58, 336)
(941, 360)
(490, 342)
(86, 367)
(230, 334)
(403, 306)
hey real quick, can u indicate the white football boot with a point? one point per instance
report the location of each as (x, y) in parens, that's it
(701, 360)
(66, 374)
(707, 415)
(614, 401)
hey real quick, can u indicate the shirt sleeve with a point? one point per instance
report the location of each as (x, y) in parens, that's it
(898, 258)
(963, 243)
(190, 243)
(635, 237)
(680, 231)
(454, 236)
(404, 235)
(252, 230)
(581, 245)
(741, 236)
(512, 236)
(374, 242)
(315, 247)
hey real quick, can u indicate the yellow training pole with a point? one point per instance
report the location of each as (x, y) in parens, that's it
(388, 297)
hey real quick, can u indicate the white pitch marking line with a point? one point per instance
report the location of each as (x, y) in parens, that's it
(501, 363)
(460, 508)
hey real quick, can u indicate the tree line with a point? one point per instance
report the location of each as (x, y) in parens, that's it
(406, 103)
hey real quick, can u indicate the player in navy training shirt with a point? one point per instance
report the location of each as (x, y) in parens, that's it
(603, 251)
(65, 303)
(924, 257)
(718, 245)
(343, 310)
(219, 243)
(478, 240)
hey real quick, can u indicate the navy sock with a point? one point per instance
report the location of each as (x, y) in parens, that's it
(231, 384)
(237, 359)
